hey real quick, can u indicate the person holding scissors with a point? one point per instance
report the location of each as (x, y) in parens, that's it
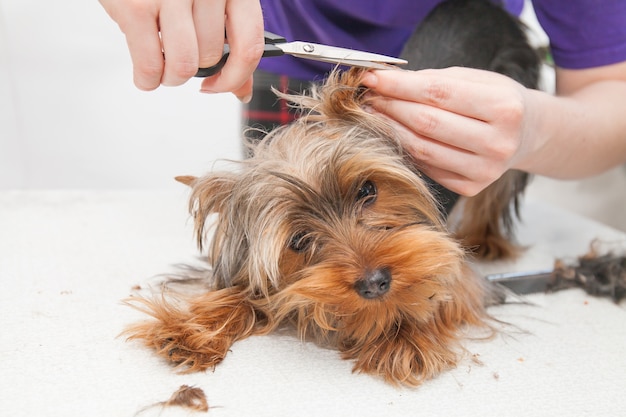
(580, 131)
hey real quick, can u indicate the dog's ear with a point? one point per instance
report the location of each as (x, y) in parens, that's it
(186, 179)
(210, 195)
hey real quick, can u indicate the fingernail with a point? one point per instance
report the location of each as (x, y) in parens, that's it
(207, 91)
(365, 101)
(369, 79)
(367, 108)
(245, 99)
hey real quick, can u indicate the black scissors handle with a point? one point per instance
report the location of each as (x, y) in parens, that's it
(269, 50)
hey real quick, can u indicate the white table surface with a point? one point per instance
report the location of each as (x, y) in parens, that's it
(67, 258)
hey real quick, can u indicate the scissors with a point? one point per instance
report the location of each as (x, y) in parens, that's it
(276, 45)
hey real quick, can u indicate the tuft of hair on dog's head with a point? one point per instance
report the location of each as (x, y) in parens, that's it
(341, 102)
(341, 98)
(337, 108)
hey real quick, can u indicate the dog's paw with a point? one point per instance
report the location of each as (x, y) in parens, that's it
(199, 336)
(194, 358)
(403, 358)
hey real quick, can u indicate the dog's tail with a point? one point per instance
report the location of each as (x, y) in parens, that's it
(487, 223)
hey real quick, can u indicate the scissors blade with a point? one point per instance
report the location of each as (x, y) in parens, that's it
(336, 55)
(275, 45)
(523, 282)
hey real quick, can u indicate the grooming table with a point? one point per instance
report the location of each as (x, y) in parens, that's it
(68, 258)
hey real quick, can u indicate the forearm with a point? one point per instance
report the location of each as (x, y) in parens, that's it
(579, 134)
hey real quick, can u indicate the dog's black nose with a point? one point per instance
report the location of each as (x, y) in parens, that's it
(375, 284)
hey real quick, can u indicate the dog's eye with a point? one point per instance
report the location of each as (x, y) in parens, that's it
(367, 192)
(300, 242)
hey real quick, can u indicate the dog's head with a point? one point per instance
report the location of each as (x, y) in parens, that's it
(312, 189)
(331, 222)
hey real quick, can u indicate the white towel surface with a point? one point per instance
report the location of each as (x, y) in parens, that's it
(68, 258)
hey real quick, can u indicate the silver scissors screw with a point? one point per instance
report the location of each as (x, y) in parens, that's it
(307, 47)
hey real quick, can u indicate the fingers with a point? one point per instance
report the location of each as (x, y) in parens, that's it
(180, 47)
(138, 21)
(208, 18)
(463, 172)
(244, 93)
(470, 92)
(426, 121)
(454, 182)
(244, 29)
(463, 127)
(442, 162)
(441, 134)
(169, 40)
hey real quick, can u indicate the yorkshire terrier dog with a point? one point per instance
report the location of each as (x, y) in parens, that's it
(331, 229)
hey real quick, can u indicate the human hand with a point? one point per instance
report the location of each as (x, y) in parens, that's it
(464, 127)
(169, 40)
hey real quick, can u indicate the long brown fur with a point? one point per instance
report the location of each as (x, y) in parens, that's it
(330, 228)
(303, 183)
